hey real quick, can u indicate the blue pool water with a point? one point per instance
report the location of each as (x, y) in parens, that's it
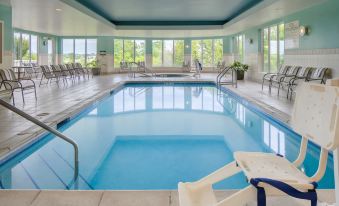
(150, 137)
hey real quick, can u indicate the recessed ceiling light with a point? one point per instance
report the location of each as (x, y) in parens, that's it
(58, 9)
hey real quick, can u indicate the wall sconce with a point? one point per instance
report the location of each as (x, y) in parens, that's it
(250, 41)
(187, 46)
(44, 41)
(304, 30)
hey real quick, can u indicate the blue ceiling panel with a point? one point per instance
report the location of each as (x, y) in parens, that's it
(169, 12)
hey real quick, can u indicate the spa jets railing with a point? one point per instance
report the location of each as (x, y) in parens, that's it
(223, 73)
(51, 130)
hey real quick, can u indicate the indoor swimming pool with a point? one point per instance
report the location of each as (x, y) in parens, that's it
(151, 136)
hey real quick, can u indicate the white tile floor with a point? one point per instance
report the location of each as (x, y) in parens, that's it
(55, 103)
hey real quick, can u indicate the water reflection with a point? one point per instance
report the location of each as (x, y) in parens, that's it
(141, 122)
(171, 98)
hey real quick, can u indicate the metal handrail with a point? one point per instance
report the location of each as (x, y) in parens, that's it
(50, 129)
(224, 72)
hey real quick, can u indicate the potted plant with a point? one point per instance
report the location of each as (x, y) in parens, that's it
(94, 66)
(240, 68)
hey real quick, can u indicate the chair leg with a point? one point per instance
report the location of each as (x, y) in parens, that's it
(36, 98)
(23, 97)
(279, 88)
(262, 85)
(12, 96)
(42, 76)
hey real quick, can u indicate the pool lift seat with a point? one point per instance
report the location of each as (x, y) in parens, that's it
(316, 117)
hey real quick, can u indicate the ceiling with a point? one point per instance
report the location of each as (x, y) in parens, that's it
(75, 19)
(169, 12)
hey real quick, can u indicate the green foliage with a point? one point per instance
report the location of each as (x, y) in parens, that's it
(238, 66)
(157, 53)
(178, 52)
(92, 64)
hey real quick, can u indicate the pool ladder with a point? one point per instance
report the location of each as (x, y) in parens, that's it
(51, 130)
(223, 73)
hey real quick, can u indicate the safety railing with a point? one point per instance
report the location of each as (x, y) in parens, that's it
(50, 129)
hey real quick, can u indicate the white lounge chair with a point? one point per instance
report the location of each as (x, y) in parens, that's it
(316, 117)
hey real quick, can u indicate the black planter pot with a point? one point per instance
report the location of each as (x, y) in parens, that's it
(240, 75)
(96, 71)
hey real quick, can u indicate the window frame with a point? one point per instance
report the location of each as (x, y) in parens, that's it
(174, 41)
(53, 55)
(239, 53)
(20, 61)
(279, 55)
(123, 50)
(201, 44)
(73, 54)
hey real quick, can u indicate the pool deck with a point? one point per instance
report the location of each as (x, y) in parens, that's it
(125, 198)
(56, 103)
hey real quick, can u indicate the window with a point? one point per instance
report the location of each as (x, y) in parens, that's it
(208, 51)
(91, 51)
(50, 48)
(273, 47)
(156, 53)
(68, 51)
(82, 51)
(238, 47)
(25, 48)
(129, 51)
(167, 53)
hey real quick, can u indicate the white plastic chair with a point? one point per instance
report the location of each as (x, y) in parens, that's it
(315, 117)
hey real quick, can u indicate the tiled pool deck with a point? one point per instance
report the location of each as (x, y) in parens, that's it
(56, 103)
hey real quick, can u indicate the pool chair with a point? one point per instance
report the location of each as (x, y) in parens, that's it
(319, 75)
(12, 84)
(47, 74)
(268, 76)
(85, 70)
(315, 117)
(301, 76)
(280, 81)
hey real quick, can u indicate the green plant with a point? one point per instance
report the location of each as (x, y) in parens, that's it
(238, 66)
(93, 64)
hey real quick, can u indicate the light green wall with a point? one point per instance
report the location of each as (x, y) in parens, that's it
(6, 17)
(322, 20)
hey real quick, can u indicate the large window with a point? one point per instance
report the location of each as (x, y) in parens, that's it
(167, 53)
(238, 47)
(82, 51)
(25, 48)
(50, 48)
(273, 47)
(208, 51)
(129, 51)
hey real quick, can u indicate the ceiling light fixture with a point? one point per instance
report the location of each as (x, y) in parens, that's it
(58, 9)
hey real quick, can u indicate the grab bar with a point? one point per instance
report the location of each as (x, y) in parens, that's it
(50, 129)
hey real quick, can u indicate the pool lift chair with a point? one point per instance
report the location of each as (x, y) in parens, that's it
(198, 68)
(316, 117)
